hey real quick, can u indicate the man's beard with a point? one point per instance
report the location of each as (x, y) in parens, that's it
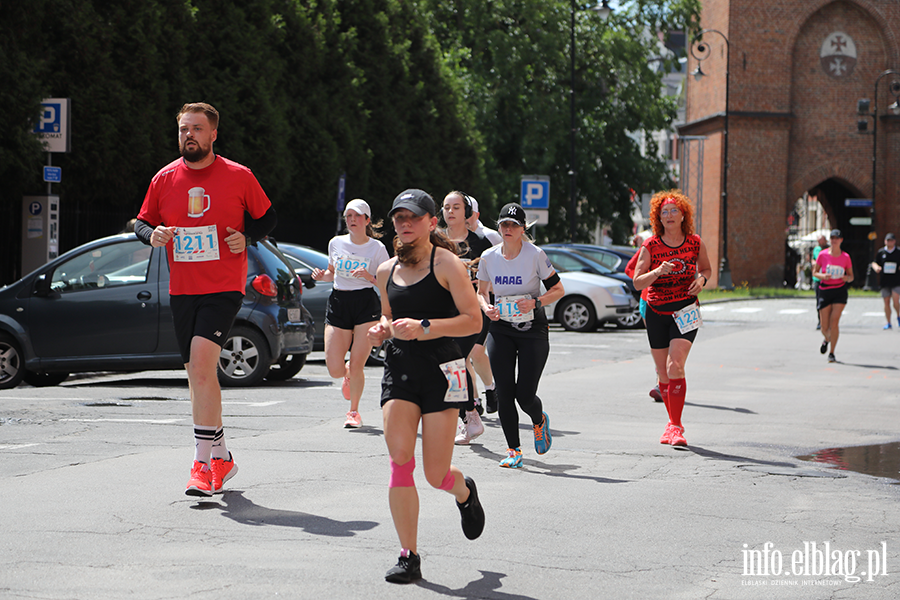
(195, 154)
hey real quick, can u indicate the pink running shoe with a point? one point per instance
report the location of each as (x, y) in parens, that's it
(345, 388)
(678, 436)
(667, 435)
(354, 421)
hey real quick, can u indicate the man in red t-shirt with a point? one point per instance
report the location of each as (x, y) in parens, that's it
(195, 208)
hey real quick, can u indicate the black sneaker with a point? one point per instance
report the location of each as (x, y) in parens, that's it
(490, 397)
(407, 569)
(471, 512)
(479, 407)
(824, 347)
(831, 357)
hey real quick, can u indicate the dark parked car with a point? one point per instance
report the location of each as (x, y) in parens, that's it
(611, 257)
(104, 306)
(567, 259)
(304, 259)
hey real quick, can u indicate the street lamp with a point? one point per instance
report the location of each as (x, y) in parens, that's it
(862, 109)
(603, 10)
(701, 51)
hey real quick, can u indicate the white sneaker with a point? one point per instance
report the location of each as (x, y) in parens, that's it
(462, 435)
(474, 426)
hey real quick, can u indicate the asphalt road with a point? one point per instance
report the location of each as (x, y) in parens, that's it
(92, 473)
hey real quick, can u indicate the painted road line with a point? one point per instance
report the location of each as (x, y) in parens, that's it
(793, 311)
(151, 421)
(749, 309)
(16, 446)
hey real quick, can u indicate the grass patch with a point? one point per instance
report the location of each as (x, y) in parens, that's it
(746, 292)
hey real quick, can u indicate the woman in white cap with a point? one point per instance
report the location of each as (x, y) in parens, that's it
(519, 340)
(353, 306)
(427, 302)
(834, 269)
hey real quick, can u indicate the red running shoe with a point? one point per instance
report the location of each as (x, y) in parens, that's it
(200, 483)
(222, 471)
(656, 394)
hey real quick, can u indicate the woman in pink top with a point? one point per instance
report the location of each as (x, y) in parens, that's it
(835, 272)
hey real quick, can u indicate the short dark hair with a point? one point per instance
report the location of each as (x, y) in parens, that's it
(200, 107)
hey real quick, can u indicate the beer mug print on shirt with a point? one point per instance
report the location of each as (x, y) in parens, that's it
(198, 202)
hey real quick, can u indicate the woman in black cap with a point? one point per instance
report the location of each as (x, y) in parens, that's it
(426, 299)
(834, 269)
(519, 334)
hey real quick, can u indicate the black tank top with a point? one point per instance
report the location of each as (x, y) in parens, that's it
(425, 299)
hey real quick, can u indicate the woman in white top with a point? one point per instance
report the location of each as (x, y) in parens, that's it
(353, 306)
(518, 343)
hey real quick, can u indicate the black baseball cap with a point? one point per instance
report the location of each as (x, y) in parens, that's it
(419, 202)
(512, 212)
(836, 233)
(889, 236)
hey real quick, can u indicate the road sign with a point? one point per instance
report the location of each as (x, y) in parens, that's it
(863, 202)
(535, 192)
(53, 124)
(52, 174)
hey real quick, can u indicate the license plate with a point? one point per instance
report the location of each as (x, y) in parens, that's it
(293, 314)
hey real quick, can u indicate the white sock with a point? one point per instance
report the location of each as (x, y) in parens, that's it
(203, 441)
(218, 447)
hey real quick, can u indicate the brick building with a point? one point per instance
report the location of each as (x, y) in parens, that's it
(797, 70)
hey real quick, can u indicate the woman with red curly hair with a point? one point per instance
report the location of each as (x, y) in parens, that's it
(673, 265)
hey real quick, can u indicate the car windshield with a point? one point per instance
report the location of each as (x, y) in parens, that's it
(117, 264)
(610, 261)
(308, 257)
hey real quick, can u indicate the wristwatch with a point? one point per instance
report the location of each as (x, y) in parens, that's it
(537, 303)
(426, 326)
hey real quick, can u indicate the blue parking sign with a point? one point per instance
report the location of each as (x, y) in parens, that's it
(535, 192)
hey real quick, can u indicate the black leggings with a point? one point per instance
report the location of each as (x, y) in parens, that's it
(531, 354)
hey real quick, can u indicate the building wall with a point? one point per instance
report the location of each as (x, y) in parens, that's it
(792, 125)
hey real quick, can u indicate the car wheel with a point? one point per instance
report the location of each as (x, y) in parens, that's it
(286, 367)
(245, 358)
(632, 320)
(12, 367)
(577, 314)
(44, 379)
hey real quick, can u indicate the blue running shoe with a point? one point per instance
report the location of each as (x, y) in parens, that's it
(542, 437)
(886, 327)
(513, 460)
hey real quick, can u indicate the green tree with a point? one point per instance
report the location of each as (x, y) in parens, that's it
(513, 59)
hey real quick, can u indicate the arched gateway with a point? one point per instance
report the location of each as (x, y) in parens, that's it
(796, 70)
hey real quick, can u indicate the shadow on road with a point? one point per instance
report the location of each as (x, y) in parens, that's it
(488, 584)
(238, 508)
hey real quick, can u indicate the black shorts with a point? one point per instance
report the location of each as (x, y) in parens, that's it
(827, 297)
(209, 316)
(485, 328)
(412, 373)
(662, 329)
(347, 309)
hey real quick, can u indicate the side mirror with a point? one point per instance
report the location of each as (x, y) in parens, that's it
(42, 285)
(305, 276)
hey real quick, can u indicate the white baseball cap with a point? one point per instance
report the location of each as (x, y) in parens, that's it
(360, 207)
(474, 204)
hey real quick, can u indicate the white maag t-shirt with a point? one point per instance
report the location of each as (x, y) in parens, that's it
(345, 257)
(514, 278)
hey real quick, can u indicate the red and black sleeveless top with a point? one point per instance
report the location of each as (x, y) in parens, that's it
(670, 292)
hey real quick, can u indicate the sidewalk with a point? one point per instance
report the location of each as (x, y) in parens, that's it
(607, 513)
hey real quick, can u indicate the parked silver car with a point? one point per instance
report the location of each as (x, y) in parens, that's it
(590, 301)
